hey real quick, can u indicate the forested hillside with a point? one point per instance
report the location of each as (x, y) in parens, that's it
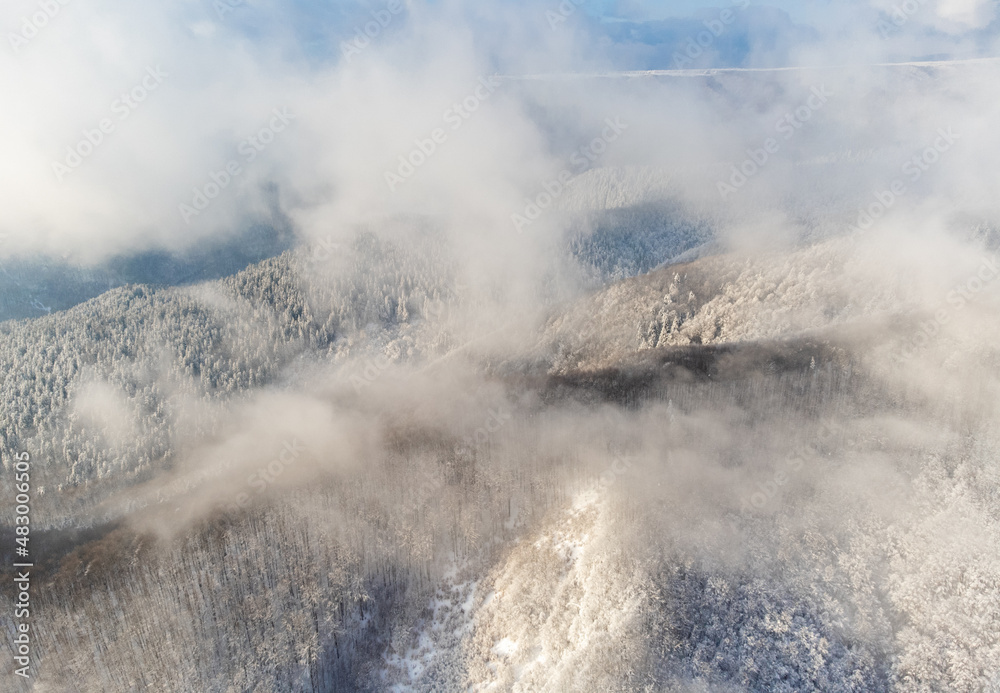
(412, 346)
(99, 390)
(708, 477)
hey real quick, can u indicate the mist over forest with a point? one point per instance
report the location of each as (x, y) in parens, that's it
(503, 346)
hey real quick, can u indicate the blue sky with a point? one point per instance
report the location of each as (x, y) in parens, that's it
(687, 8)
(638, 34)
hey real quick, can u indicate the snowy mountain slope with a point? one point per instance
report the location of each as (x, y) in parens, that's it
(607, 188)
(564, 611)
(805, 437)
(139, 357)
(802, 581)
(731, 299)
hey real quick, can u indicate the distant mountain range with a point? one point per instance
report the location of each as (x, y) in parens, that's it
(34, 286)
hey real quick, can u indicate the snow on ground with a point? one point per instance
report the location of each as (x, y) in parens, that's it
(427, 655)
(554, 615)
(730, 299)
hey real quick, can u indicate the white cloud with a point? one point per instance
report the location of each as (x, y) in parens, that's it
(967, 14)
(352, 123)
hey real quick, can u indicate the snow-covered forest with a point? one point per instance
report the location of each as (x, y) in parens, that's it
(695, 477)
(500, 350)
